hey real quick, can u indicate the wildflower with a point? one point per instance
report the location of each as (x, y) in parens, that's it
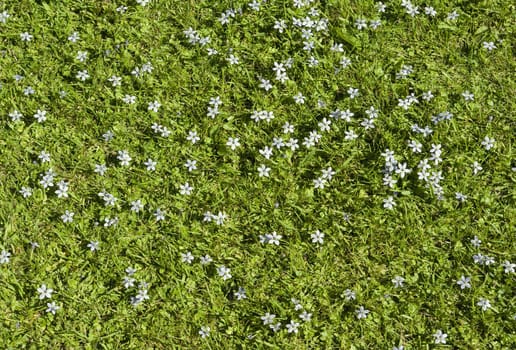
(67, 216)
(191, 165)
(187, 257)
(26, 192)
(353, 92)
(464, 282)
(82, 75)
(263, 170)
(233, 143)
(389, 203)
(81, 56)
(488, 143)
(128, 282)
(317, 237)
(484, 304)
(328, 173)
(360, 23)
(74, 37)
(232, 59)
(265, 84)
(305, 316)
(508, 266)
(154, 106)
(476, 167)
(115, 81)
(427, 96)
(440, 337)
(476, 242)
(468, 96)
(219, 218)
(361, 312)
(108, 136)
(489, 45)
(124, 158)
(452, 16)
(40, 116)
(266, 152)
(205, 331)
(319, 183)
(4, 16)
(430, 11)
(159, 214)
(299, 98)
(274, 238)
(268, 318)
(380, 6)
(185, 189)
(398, 281)
(93, 245)
(224, 272)
(45, 292)
(4, 257)
(292, 327)
(206, 259)
(100, 169)
(25, 36)
(192, 137)
(15, 116)
(150, 164)
(240, 294)
(349, 295)
(280, 26)
(375, 23)
(415, 146)
(52, 307)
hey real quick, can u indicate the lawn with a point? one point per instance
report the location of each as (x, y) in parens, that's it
(298, 174)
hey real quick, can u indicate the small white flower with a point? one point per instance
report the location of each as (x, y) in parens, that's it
(488, 143)
(150, 164)
(464, 282)
(187, 257)
(362, 312)
(124, 157)
(292, 327)
(205, 331)
(52, 307)
(40, 116)
(4, 257)
(154, 106)
(263, 170)
(45, 292)
(185, 189)
(115, 81)
(268, 318)
(489, 45)
(484, 304)
(317, 237)
(224, 272)
(93, 245)
(398, 281)
(74, 37)
(440, 337)
(389, 203)
(26, 36)
(67, 216)
(82, 75)
(233, 143)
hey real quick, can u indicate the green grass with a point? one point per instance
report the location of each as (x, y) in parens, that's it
(423, 239)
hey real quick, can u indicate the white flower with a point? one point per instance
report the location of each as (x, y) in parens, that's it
(489, 45)
(67, 216)
(150, 164)
(45, 292)
(82, 56)
(488, 143)
(464, 282)
(389, 203)
(185, 189)
(74, 37)
(4, 16)
(362, 312)
(205, 331)
(26, 192)
(268, 318)
(136, 205)
(484, 304)
(154, 106)
(93, 245)
(4, 257)
(40, 116)
(26, 36)
(206, 259)
(430, 11)
(192, 137)
(142, 2)
(476, 242)
(115, 81)
(232, 59)
(100, 169)
(263, 170)
(124, 158)
(349, 295)
(52, 307)
(187, 257)
(292, 327)
(159, 214)
(82, 75)
(452, 16)
(353, 92)
(319, 182)
(224, 272)
(299, 98)
(305, 316)
(191, 165)
(398, 281)
(317, 237)
(233, 143)
(440, 337)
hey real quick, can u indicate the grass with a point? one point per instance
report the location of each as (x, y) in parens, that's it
(425, 240)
